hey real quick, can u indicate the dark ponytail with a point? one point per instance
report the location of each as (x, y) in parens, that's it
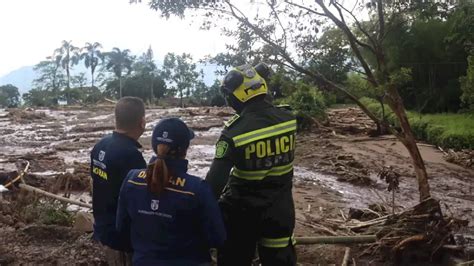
(157, 174)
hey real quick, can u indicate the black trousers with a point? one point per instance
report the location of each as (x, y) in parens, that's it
(270, 229)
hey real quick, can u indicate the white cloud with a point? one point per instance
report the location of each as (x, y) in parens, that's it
(32, 29)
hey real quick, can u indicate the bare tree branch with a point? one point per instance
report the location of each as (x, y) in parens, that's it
(381, 20)
(352, 41)
(359, 26)
(306, 8)
(284, 54)
(272, 6)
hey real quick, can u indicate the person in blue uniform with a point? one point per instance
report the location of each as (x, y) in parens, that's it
(111, 160)
(173, 216)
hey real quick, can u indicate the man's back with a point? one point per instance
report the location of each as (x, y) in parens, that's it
(111, 160)
(262, 152)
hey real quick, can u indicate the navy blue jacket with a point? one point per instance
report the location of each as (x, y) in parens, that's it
(111, 160)
(176, 228)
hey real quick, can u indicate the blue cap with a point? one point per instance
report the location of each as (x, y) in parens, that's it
(173, 132)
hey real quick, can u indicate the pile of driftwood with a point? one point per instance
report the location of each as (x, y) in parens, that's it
(420, 234)
(461, 157)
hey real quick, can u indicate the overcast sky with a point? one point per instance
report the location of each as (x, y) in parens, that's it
(31, 30)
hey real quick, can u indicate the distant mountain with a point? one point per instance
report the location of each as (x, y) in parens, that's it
(23, 77)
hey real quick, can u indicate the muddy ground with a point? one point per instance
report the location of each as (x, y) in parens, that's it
(336, 169)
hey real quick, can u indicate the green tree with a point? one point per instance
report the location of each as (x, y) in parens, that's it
(79, 80)
(467, 85)
(92, 56)
(146, 68)
(67, 56)
(120, 63)
(180, 72)
(40, 97)
(9, 96)
(49, 77)
(435, 63)
(92, 95)
(136, 85)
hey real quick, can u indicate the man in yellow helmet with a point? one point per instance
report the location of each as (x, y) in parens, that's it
(252, 173)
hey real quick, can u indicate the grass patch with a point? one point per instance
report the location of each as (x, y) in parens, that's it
(447, 130)
(49, 213)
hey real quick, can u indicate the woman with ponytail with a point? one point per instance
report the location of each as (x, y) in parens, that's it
(172, 216)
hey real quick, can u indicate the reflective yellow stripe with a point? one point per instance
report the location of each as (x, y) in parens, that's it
(167, 188)
(179, 191)
(261, 174)
(136, 183)
(282, 242)
(264, 133)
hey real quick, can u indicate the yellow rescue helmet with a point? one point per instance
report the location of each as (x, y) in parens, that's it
(244, 83)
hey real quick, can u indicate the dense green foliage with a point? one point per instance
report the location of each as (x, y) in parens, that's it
(209, 96)
(467, 86)
(180, 72)
(40, 97)
(9, 96)
(436, 63)
(138, 86)
(307, 103)
(446, 129)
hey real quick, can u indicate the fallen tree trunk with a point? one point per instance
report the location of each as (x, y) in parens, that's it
(335, 240)
(54, 196)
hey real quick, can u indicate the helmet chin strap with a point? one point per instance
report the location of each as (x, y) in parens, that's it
(232, 101)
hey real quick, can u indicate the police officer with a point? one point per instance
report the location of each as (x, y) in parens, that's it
(254, 162)
(111, 159)
(173, 216)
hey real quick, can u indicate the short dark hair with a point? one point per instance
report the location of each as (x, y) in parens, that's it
(128, 113)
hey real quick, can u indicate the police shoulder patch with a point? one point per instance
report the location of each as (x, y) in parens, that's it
(221, 149)
(232, 120)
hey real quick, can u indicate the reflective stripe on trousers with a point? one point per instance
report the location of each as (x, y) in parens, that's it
(281, 242)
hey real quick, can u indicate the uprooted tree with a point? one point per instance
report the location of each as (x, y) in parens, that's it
(287, 34)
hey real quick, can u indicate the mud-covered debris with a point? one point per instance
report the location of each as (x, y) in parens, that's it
(351, 121)
(27, 115)
(462, 157)
(40, 232)
(374, 211)
(92, 128)
(203, 126)
(83, 221)
(76, 180)
(391, 177)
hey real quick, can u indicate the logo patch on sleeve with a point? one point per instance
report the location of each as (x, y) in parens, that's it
(221, 149)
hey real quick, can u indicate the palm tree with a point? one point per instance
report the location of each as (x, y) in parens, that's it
(91, 55)
(67, 57)
(118, 61)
